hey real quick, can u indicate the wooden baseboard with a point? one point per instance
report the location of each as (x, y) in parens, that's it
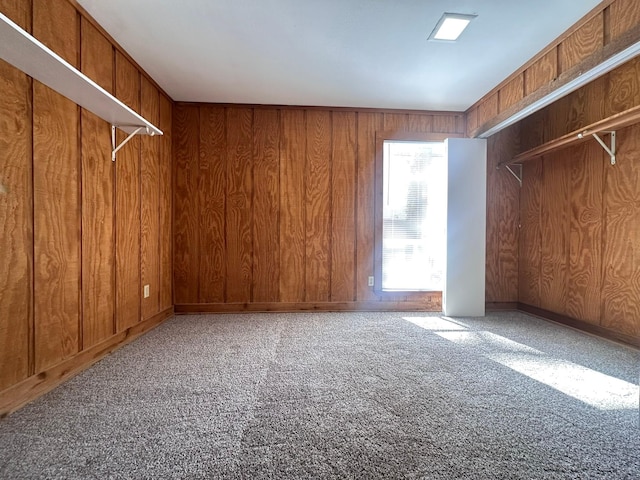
(434, 306)
(37, 385)
(580, 325)
(500, 306)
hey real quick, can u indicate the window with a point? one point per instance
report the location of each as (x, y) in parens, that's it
(411, 196)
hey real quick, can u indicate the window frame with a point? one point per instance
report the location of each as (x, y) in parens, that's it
(381, 137)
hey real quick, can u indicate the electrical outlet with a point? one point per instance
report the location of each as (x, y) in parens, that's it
(371, 281)
(146, 291)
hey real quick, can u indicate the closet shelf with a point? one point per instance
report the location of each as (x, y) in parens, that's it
(606, 126)
(26, 53)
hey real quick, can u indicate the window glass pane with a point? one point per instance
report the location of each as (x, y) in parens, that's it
(414, 216)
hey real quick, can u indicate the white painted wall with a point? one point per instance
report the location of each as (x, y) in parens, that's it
(464, 286)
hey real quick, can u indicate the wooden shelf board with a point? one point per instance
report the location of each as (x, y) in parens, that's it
(26, 53)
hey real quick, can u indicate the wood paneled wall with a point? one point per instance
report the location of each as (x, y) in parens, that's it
(612, 25)
(81, 235)
(579, 242)
(274, 206)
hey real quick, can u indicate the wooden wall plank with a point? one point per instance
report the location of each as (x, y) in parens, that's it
(586, 165)
(166, 254)
(448, 124)
(239, 205)
(128, 287)
(16, 214)
(292, 211)
(503, 205)
(487, 109)
(624, 15)
(621, 256)
(266, 206)
(542, 72)
(56, 198)
(554, 226)
(395, 122)
(150, 202)
(622, 88)
(588, 39)
(343, 220)
(186, 238)
(530, 234)
(211, 195)
(511, 93)
(420, 123)
(367, 125)
(318, 206)
(98, 242)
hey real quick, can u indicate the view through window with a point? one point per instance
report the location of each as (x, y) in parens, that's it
(414, 216)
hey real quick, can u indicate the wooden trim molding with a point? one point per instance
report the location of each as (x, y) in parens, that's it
(431, 303)
(580, 325)
(35, 386)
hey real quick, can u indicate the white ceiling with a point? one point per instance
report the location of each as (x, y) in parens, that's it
(353, 53)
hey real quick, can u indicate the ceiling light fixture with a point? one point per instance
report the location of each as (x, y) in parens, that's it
(450, 26)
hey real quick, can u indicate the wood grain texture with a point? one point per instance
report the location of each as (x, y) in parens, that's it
(511, 93)
(266, 206)
(212, 198)
(588, 39)
(98, 242)
(292, 211)
(395, 122)
(503, 202)
(420, 122)
(542, 72)
(239, 213)
(586, 166)
(367, 125)
(488, 109)
(621, 256)
(150, 202)
(56, 200)
(554, 227)
(624, 15)
(16, 215)
(343, 221)
(530, 234)
(448, 124)
(128, 286)
(186, 171)
(318, 206)
(166, 253)
(622, 88)
(472, 120)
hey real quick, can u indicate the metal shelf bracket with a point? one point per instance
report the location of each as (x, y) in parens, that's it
(517, 176)
(115, 147)
(610, 150)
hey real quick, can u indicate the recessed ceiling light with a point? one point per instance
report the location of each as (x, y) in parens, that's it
(450, 26)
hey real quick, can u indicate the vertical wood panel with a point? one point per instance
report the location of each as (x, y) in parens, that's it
(343, 225)
(16, 215)
(292, 211)
(543, 71)
(622, 88)
(503, 192)
(512, 92)
(186, 245)
(239, 205)
(554, 226)
(150, 202)
(212, 195)
(166, 300)
(583, 42)
(56, 198)
(318, 206)
(585, 165)
(625, 14)
(448, 124)
(367, 125)
(266, 206)
(529, 252)
(395, 122)
(621, 283)
(98, 252)
(128, 288)
(420, 123)
(487, 109)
